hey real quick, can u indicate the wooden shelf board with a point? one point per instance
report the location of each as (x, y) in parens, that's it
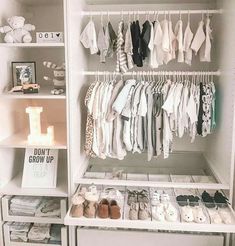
(32, 45)
(19, 140)
(14, 188)
(44, 93)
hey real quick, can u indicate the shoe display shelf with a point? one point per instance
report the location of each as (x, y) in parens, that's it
(151, 223)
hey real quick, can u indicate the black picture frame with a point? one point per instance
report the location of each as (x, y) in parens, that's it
(23, 73)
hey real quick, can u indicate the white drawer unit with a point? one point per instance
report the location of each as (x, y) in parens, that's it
(116, 238)
(52, 220)
(8, 242)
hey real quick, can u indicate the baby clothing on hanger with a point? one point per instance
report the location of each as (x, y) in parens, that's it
(121, 55)
(88, 37)
(138, 116)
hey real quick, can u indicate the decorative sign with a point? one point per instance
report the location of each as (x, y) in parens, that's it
(40, 168)
(36, 137)
(49, 37)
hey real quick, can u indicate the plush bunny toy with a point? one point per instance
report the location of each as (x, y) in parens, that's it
(17, 31)
(187, 214)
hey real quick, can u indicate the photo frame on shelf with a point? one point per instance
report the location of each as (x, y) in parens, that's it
(23, 73)
(40, 168)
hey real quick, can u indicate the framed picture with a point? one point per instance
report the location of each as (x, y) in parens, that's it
(23, 73)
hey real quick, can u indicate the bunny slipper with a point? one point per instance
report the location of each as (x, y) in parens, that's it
(171, 213)
(158, 212)
(225, 216)
(187, 214)
(199, 216)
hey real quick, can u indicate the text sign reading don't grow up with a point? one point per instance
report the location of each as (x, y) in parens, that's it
(40, 168)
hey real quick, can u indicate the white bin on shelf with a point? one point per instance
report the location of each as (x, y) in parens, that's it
(52, 220)
(8, 242)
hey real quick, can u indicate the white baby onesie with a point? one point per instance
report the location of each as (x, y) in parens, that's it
(120, 101)
(88, 37)
(199, 38)
(188, 37)
(152, 58)
(168, 56)
(165, 36)
(179, 36)
(205, 51)
(158, 37)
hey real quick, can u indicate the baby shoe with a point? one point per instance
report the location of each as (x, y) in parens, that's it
(171, 213)
(165, 197)
(90, 209)
(77, 207)
(187, 214)
(103, 209)
(182, 200)
(155, 198)
(158, 212)
(215, 218)
(114, 210)
(199, 216)
(193, 200)
(208, 200)
(220, 199)
(134, 210)
(143, 211)
(225, 216)
(143, 196)
(90, 205)
(132, 197)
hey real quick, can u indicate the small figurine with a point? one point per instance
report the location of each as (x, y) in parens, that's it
(58, 79)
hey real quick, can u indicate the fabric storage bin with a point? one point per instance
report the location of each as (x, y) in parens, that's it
(52, 220)
(87, 237)
(8, 242)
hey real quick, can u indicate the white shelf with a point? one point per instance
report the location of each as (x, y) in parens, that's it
(32, 45)
(149, 225)
(44, 93)
(19, 140)
(14, 188)
(151, 183)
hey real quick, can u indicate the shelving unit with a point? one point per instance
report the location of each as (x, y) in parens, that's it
(47, 16)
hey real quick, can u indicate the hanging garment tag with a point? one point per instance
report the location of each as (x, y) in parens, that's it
(49, 37)
(40, 168)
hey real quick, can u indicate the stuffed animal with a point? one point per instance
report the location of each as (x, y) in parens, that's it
(187, 214)
(171, 213)
(158, 212)
(199, 216)
(17, 31)
(58, 77)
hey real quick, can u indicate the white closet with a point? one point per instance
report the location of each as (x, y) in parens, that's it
(211, 156)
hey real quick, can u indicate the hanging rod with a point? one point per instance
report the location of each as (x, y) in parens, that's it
(209, 11)
(168, 73)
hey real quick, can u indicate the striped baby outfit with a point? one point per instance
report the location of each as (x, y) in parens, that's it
(121, 56)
